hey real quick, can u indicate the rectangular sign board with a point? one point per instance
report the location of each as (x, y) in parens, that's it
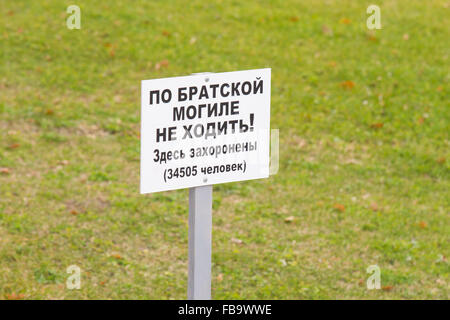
(204, 129)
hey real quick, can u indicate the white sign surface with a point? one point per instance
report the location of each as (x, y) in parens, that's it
(204, 129)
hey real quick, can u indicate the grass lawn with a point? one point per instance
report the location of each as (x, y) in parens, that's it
(364, 179)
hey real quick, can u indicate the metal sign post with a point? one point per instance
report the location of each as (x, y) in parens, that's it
(200, 239)
(200, 234)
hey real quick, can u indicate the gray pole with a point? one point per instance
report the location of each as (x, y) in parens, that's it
(200, 231)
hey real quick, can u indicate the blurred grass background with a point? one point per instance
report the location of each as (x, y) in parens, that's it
(364, 170)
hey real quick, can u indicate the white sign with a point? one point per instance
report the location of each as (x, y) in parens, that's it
(204, 129)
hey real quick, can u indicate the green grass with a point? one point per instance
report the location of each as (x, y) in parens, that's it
(69, 149)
